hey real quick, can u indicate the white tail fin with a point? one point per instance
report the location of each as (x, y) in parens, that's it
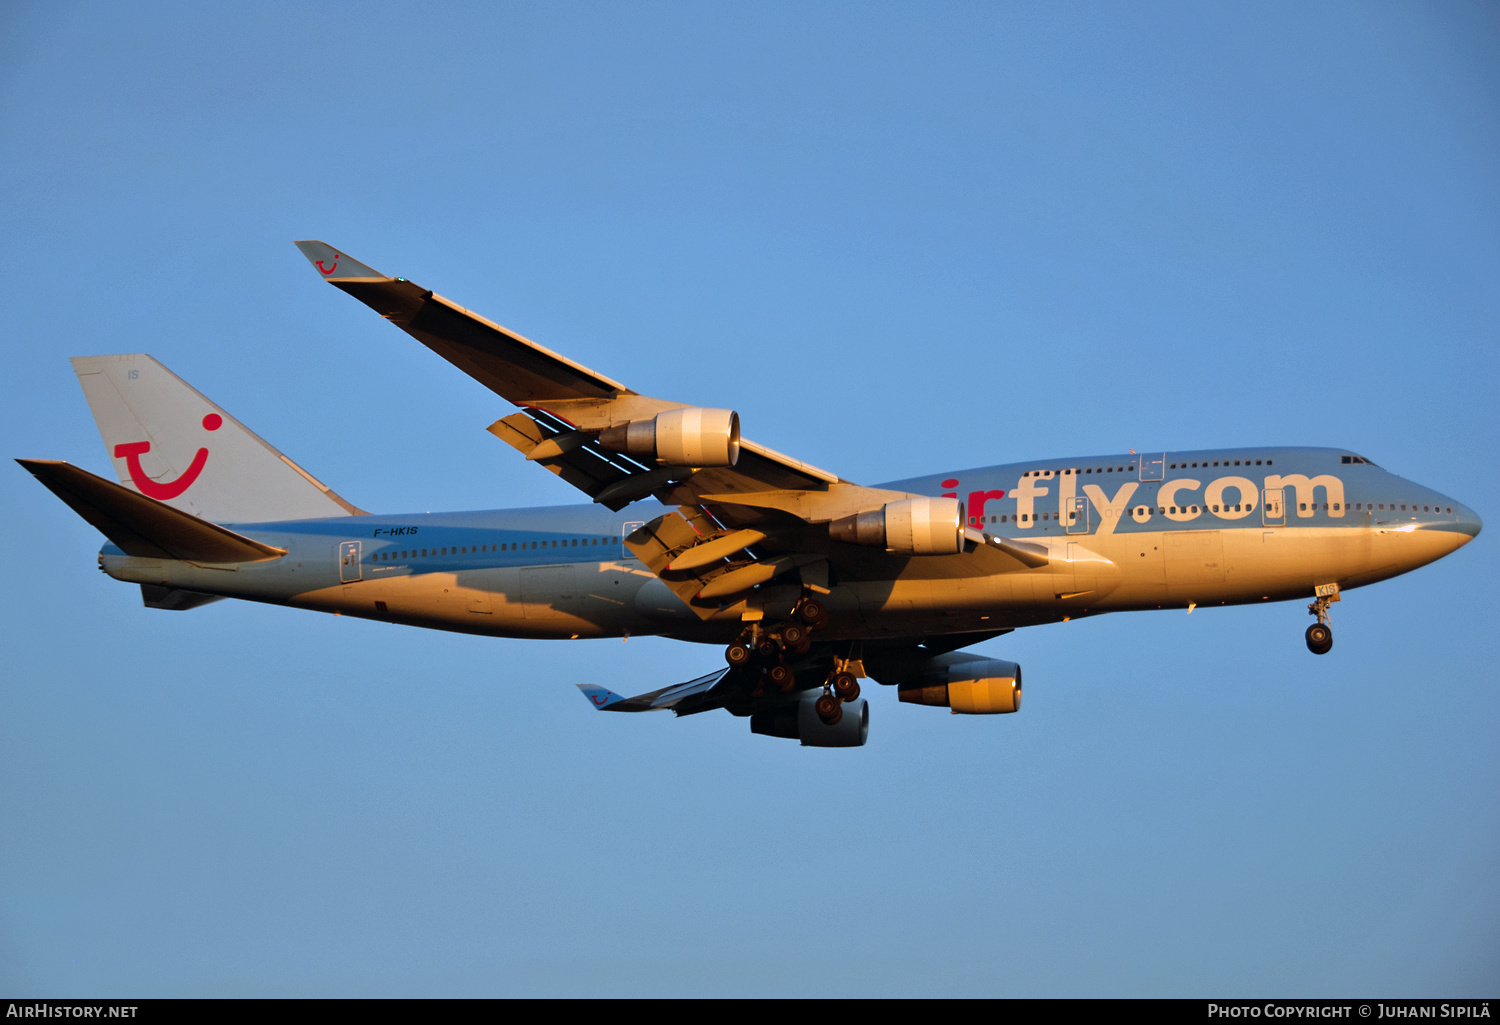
(171, 443)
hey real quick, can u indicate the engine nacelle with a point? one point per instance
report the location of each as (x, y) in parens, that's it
(694, 436)
(800, 722)
(916, 526)
(980, 687)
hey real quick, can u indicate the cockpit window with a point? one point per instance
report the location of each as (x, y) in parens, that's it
(1361, 460)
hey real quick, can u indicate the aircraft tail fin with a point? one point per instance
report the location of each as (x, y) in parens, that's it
(170, 443)
(142, 526)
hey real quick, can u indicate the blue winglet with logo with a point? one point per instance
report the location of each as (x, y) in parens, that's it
(598, 696)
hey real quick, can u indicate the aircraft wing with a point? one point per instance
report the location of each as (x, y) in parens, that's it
(567, 404)
(683, 698)
(743, 522)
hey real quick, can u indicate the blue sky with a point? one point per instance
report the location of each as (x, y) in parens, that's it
(897, 239)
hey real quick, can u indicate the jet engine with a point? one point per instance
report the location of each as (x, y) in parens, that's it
(679, 437)
(979, 687)
(800, 721)
(917, 526)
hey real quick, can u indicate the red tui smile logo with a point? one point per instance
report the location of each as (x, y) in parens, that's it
(328, 270)
(131, 452)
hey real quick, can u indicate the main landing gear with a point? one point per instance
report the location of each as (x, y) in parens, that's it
(840, 687)
(1320, 634)
(770, 644)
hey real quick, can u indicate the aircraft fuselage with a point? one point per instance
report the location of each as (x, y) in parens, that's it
(1119, 533)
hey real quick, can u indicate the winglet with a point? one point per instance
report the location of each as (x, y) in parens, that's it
(337, 266)
(598, 696)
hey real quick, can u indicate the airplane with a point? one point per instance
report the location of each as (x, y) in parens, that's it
(810, 582)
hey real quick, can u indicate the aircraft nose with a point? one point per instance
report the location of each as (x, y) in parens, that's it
(1468, 521)
(1465, 520)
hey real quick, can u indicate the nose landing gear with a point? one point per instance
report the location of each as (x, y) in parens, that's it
(1320, 634)
(1319, 639)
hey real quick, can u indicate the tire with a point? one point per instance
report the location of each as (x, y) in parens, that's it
(812, 612)
(845, 686)
(1319, 639)
(768, 649)
(737, 655)
(793, 634)
(829, 710)
(780, 676)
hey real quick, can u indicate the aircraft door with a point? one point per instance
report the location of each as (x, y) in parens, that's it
(625, 531)
(350, 569)
(1272, 512)
(1077, 513)
(1153, 465)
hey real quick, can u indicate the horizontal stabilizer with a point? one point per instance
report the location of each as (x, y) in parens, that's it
(174, 599)
(142, 526)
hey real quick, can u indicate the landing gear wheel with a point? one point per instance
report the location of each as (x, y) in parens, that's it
(812, 612)
(845, 686)
(780, 676)
(767, 648)
(793, 635)
(1319, 639)
(829, 710)
(737, 655)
